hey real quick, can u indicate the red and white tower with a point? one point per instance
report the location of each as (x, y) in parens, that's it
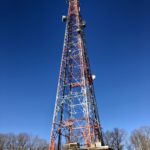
(76, 118)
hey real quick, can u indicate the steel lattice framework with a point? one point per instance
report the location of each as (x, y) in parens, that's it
(76, 116)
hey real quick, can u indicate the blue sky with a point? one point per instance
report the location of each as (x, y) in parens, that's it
(31, 40)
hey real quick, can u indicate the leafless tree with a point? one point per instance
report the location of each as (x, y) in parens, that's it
(22, 142)
(115, 138)
(38, 144)
(2, 141)
(10, 142)
(140, 138)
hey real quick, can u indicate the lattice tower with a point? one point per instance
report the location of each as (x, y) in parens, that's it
(75, 117)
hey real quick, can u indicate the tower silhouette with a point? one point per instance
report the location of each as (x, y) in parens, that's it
(75, 118)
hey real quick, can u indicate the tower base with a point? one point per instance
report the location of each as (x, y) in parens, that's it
(97, 148)
(75, 146)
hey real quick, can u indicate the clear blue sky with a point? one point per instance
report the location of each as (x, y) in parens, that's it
(31, 40)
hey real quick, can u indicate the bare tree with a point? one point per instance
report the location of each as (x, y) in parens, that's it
(11, 142)
(2, 141)
(115, 138)
(140, 138)
(38, 144)
(22, 142)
